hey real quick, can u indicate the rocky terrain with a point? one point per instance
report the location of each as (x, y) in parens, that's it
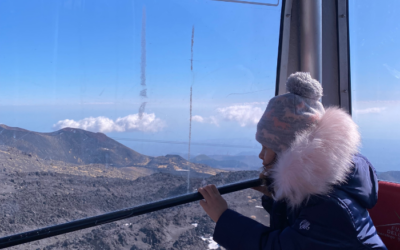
(177, 164)
(222, 164)
(52, 178)
(37, 199)
(76, 151)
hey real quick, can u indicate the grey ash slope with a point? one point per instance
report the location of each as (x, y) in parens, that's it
(71, 145)
(51, 178)
(177, 164)
(32, 200)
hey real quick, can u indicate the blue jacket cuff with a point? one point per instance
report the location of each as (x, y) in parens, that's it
(235, 231)
(267, 203)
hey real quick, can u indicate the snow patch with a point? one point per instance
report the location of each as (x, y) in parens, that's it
(194, 224)
(211, 243)
(259, 207)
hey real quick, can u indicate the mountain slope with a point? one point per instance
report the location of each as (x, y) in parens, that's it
(70, 145)
(224, 163)
(76, 151)
(176, 163)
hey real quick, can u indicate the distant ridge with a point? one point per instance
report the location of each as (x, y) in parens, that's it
(72, 145)
(222, 164)
(393, 176)
(81, 147)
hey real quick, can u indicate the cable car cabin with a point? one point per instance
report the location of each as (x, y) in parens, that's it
(114, 113)
(385, 214)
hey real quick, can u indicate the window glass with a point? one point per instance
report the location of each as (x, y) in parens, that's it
(375, 80)
(100, 99)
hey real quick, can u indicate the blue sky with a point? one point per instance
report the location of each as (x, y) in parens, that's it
(74, 59)
(79, 59)
(375, 78)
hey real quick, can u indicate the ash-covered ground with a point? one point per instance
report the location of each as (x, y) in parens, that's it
(30, 200)
(52, 178)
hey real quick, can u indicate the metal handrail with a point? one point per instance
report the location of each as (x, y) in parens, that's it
(47, 232)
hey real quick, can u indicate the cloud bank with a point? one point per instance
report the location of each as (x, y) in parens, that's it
(197, 118)
(246, 115)
(370, 110)
(210, 120)
(148, 123)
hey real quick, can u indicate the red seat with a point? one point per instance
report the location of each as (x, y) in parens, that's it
(386, 214)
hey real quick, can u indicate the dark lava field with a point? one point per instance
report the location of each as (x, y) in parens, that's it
(52, 178)
(37, 199)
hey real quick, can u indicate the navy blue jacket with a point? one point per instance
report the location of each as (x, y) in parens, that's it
(339, 220)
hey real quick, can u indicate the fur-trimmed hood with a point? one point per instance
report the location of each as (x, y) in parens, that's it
(318, 159)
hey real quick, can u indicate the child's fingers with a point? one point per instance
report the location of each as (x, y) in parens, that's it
(209, 190)
(262, 189)
(215, 190)
(203, 204)
(204, 192)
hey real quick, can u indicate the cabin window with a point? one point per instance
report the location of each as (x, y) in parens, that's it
(375, 81)
(100, 99)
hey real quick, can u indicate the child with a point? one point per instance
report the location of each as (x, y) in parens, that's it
(320, 187)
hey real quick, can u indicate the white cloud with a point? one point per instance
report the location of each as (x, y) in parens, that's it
(245, 115)
(370, 110)
(210, 120)
(97, 103)
(197, 118)
(213, 120)
(148, 123)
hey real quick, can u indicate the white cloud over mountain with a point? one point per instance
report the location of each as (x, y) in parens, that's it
(148, 123)
(245, 115)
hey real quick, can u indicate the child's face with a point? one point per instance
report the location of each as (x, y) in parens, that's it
(267, 155)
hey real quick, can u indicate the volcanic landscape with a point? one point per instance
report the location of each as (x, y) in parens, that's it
(52, 178)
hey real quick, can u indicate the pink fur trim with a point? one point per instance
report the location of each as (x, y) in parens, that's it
(318, 158)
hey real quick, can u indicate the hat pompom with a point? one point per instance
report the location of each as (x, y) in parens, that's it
(302, 84)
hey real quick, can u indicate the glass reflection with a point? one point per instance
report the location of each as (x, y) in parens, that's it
(375, 79)
(111, 104)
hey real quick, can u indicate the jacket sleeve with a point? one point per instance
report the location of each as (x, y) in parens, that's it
(324, 226)
(237, 232)
(267, 203)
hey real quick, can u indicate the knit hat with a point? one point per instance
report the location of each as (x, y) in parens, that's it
(289, 114)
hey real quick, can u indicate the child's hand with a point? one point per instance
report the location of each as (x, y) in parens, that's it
(213, 203)
(263, 190)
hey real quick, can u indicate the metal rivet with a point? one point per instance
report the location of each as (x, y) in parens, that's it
(344, 91)
(343, 15)
(287, 15)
